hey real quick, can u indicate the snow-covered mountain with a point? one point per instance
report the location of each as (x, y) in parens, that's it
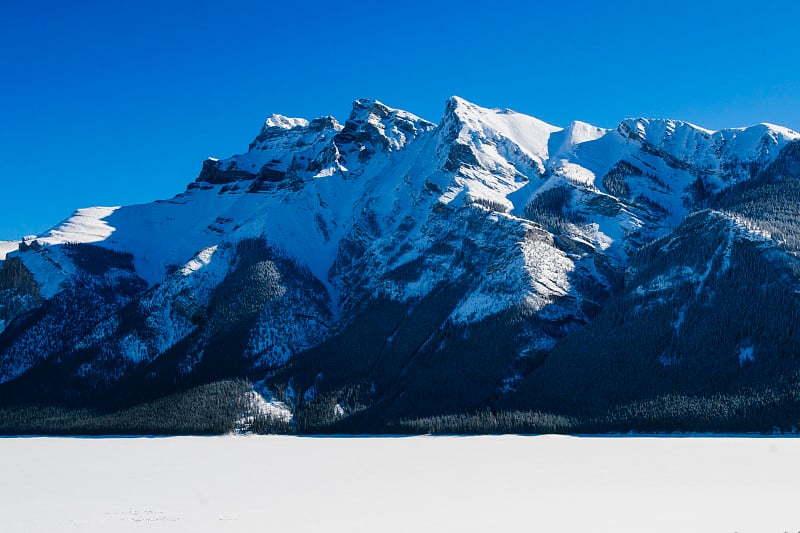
(392, 267)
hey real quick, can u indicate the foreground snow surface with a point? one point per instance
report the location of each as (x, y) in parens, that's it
(543, 483)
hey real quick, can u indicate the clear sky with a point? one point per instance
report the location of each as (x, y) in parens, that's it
(110, 102)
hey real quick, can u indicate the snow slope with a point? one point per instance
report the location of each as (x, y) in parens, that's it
(503, 483)
(723, 156)
(7, 247)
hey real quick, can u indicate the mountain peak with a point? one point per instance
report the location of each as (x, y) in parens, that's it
(658, 131)
(465, 123)
(579, 132)
(284, 122)
(659, 128)
(456, 102)
(648, 129)
(462, 108)
(765, 128)
(363, 108)
(564, 143)
(781, 129)
(373, 124)
(370, 110)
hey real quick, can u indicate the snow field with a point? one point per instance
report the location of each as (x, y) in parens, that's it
(546, 483)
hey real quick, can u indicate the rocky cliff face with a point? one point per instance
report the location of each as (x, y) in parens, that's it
(390, 267)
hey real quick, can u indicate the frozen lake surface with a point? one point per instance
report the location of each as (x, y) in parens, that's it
(508, 483)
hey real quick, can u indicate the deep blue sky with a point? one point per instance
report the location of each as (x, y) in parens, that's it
(106, 102)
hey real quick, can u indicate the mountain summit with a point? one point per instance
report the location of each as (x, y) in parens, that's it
(392, 274)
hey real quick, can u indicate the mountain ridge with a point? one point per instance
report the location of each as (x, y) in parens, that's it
(275, 264)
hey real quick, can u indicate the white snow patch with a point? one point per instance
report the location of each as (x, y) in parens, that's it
(600, 239)
(50, 269)
(6, 247)
(327, 172)
(575, 173)
(280, 121)
(85, 225)
(548, 268)
(199, 261)
(748, 228)
(264, 403)
(476, 306)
